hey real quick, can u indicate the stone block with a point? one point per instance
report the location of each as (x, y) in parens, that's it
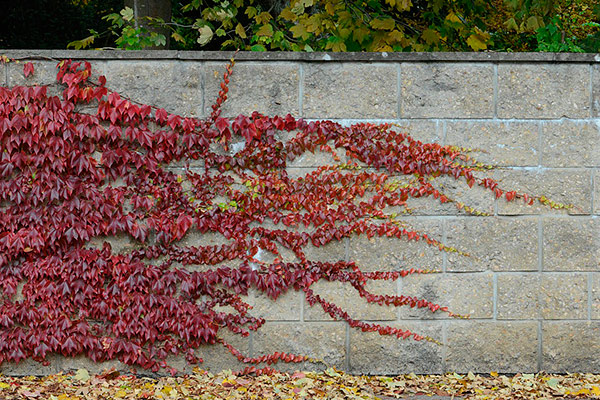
(595, 283)
(285, 308)
(543, 91)
(3, 75)
(216, 357)
(570, 144)
(571, 186)
(394, 254)
(121, 243)
(596, 90)
(175, 86)
(564, 296)
(493, 243)
(271, 89)
(518, 296)
(463, 293)
(424, 130)
(571, 244)
(374, 354)
(309, 161)
(44, 73)
(476, 197)
(481, 347)
(350, 90)
(452, 90)
(497, 143)
(333, 251)
(29, 367)
(344, 295)
(570, 346)
(596, 209)
(320, 340)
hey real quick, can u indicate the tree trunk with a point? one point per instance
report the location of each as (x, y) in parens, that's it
(152, 8)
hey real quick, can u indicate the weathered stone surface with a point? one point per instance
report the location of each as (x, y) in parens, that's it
(543, 91)
(393, 254)
(286, 308)
(497, 143)
(216, 357)
(476, 197)
(463, 293)
(564, 296)
(447, 91)
(427, 131)
(571, 244)
(373, 354)
(120, 244)
(561, 186)
(596, 194)
(596, 90)
(321, 340)
(570, 144)
(394, 57)
(595, 283)
(518, 296)
(570, 346)
(30, 367)
(345, 296)
(44, 73)
(271, 89)
(480, 347)
(69, 364)
(309, 161)
(3, 75)
(350, 90)
(493, 243)
(176, 87)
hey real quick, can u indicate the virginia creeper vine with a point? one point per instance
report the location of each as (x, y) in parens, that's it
(67, 177)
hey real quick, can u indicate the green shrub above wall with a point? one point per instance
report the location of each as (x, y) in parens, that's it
(374, 26)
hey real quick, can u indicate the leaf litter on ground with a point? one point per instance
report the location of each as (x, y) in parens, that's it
(329, 384)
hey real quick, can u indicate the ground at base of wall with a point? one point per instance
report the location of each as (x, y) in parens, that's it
(330, 384)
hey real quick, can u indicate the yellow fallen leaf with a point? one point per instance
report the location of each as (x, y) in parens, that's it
(4, 385)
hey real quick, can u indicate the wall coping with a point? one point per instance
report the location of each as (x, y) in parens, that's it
(494, 57)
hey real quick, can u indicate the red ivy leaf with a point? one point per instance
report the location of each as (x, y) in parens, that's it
(28, 69)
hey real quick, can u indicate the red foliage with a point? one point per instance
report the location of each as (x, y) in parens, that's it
(60, 174)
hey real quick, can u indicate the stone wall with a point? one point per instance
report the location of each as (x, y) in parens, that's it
(532, 282)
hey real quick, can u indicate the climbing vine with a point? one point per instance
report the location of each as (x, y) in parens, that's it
(70, 178)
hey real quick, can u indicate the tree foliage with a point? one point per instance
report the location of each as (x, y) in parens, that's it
(374, 25)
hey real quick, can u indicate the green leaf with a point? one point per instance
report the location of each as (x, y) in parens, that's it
(206, 35)
(258, 47)
(81, 44)
(431, 36)
(511, 24)
(127, 13)
(476, 43)
(265, 30)
(385, 24)
(240, 31)
(177, 37)
(299, 31)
